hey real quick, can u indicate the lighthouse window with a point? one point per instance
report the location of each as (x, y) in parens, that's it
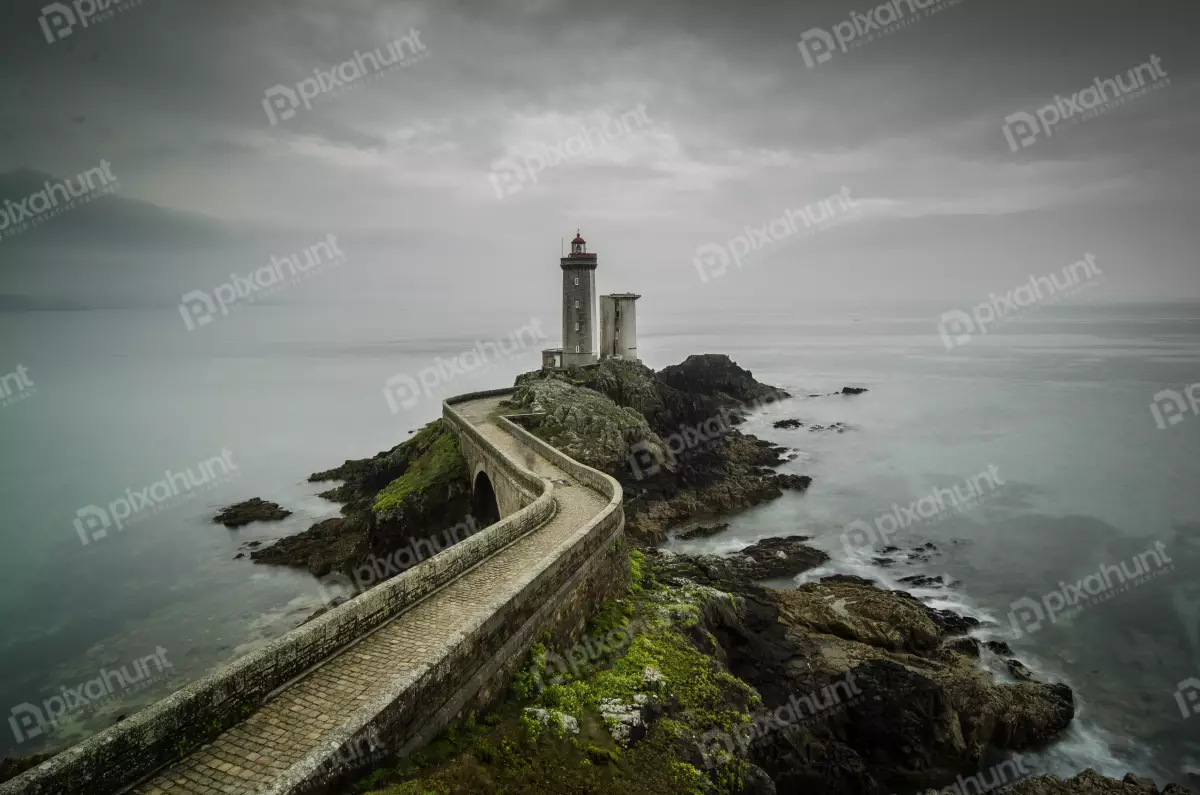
(576, 281)
(576, 304)
(577, 349)
(577, 327)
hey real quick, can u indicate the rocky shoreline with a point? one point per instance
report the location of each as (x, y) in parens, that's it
(417, 489)
(700, 680)
(252, 510)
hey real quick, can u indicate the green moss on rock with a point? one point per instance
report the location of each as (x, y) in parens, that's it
(659, 663)
(439, 463)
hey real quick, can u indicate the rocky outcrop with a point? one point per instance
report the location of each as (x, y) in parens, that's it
(923, 710)
(938, 712)
(723, 479)
(716, 375)
(771, 558)
(837, 427)
(418, 488)
(669, 437)
(1089, 782)
(702, 531)
(590, 427)
(790, 425)
(253, 510)
(336, 544)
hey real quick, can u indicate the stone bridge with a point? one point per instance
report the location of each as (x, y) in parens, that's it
(380, 675)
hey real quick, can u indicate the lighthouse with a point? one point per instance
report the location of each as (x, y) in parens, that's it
(616, 322)
(579, 305)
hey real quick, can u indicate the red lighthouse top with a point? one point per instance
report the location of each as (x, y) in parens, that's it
(578, 258)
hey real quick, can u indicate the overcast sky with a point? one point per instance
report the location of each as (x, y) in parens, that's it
(734, 129)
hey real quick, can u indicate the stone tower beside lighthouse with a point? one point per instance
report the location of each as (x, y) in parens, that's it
(579, 305)
(618, 326)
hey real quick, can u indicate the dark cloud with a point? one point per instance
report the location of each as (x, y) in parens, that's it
(171, 92)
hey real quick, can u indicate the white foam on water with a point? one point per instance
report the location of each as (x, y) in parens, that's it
(1085, 745)
(724, 543)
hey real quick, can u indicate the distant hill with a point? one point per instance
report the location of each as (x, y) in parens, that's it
(107, 219)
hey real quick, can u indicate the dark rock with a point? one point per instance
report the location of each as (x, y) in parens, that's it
(919, 714)
(768, 559)
(799, 760)
(952, 623)
(703, 531)
(793, 482)
(1089, 782)
(755, 781)
(365, 478)
(788, 424)
(889, 550)
(439, 501)
(239, 556)
(853, 390)
(999, 647)
(967, 646)
(883, 562)
(924, 553)
(864, 614)
(1019, 671)
(905, 725)
(334, 544)
(1143, 785)
(850, 578)
(254, 510)
(716, 375)
(923, 581)
(777, 557)
(839, 427)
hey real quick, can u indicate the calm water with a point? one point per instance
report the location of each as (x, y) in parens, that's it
(1058, 403)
